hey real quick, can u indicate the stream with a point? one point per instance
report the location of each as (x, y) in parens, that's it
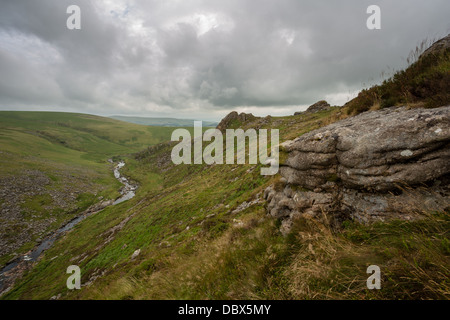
(128, 190)
(7, 273)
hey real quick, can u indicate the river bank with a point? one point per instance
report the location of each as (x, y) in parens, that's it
(16, 267)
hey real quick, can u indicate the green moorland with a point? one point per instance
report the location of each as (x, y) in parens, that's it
(197, 240)
(163, 122)
(54, 165)
(194, 244)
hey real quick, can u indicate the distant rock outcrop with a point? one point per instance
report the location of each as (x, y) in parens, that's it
(316, 107)
(234, 116)
(377, 165)
(438, 46)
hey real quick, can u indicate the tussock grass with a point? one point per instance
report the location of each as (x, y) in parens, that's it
(413, 257)
(315, 261)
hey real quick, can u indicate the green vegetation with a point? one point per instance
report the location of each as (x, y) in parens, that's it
(95, 138)
(195, 242)
(54, 165)
(425, 83)
(331, 264)
(163, 122)
(203, 231)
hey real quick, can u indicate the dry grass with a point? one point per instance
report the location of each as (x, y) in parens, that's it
(426, 81)
(315, 261)
(413, 257)
(335, 117)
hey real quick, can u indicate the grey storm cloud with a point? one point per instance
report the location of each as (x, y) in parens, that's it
(202, 58)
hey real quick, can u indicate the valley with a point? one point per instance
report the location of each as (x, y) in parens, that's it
(362, 184)
(54, 166)
(202, 232)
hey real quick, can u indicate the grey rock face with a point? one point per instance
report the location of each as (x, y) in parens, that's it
(316, 107)
(232, 116)
(439, 45)
(354, 165)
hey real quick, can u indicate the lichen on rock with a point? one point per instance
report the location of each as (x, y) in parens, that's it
(375, 166)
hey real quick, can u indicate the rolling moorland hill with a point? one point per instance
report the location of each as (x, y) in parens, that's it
(163, 122)
(208, 232)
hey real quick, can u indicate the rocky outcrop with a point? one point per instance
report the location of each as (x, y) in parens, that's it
(316, 107)
(227, 122)
(438, 46)
(377, 165)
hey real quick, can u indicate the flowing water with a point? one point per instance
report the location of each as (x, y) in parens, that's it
(127, 191)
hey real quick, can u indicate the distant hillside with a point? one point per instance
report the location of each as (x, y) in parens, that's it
(162, 122)
(96, 137)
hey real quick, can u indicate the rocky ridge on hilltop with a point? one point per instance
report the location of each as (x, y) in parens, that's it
(234, 117)
(316, 107)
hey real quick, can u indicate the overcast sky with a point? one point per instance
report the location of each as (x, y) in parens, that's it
(202, 59)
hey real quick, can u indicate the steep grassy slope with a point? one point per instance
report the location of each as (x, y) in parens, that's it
(54, 165)
(426, 82)
(170, 199)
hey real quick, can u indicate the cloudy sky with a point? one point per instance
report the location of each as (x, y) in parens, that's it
(201, 59)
